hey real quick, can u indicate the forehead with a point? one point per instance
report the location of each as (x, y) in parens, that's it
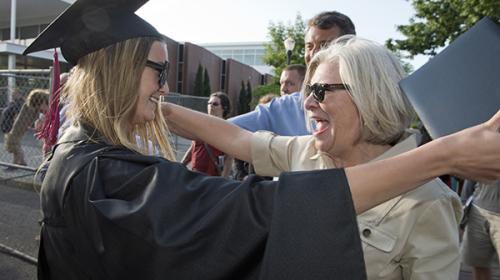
(326, 72)
(158, 52)
(289, 74)
(316, 35)
(214, 98)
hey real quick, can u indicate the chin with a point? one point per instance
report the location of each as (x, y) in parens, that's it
(143, 120)
(320, 145)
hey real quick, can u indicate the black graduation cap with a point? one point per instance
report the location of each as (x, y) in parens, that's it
(89, 25)
(460, 87)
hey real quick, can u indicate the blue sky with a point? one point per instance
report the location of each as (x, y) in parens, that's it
(215, 21)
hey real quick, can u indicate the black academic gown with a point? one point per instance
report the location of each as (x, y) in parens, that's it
(110, 213)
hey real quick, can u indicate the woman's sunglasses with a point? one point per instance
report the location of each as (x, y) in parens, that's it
(162, 69)
(215, 104)
(318, 90)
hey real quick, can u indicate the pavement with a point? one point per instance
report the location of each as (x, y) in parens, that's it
(18, 231)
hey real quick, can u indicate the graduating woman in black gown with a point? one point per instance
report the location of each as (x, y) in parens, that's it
(113, 211)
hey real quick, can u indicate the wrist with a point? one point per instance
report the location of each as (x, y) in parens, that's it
(165, 108)
(442, 156)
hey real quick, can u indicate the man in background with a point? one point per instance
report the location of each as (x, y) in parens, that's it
(285, 115)
(9, 114)
(291, 78)
(482, 232)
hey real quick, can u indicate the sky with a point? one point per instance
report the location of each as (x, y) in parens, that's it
(218, 21)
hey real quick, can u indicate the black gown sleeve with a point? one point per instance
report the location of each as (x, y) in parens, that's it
(129, 216)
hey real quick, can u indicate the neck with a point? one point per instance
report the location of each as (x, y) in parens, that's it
(360, 153)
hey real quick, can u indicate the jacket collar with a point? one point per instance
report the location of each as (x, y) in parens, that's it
(82, 132)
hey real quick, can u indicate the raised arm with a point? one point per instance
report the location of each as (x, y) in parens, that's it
(217, 132)
(473, 153)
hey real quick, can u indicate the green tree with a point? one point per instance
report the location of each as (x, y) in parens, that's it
(275, 53)
(249, 93)
(244, 100)
(408, 68)
(262, 90)
(438, 22)
(198, 82)
(206, 84)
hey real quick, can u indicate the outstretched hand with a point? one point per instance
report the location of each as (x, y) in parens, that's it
(475, 152)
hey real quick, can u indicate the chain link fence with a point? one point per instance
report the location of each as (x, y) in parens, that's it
(179, 144)
(19, 115)
(20, 151)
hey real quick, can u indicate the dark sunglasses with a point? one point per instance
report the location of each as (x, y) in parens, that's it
(161, 68)
(215, 104)
(318, 90)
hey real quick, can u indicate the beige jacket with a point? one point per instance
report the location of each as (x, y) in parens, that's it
(413, 236)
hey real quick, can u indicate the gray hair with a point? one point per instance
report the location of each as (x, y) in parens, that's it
(373, 73)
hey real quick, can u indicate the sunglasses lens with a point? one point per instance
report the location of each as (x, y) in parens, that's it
(317, 96)
(162, 69)
(163, 78)
(318, 92)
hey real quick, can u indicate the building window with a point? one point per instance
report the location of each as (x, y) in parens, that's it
(28, 32)
(249, 59)
(5, 34)
(180, 68)
(223, 76)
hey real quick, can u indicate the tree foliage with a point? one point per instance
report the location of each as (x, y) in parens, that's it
(206, 84)
(249, 91)
(244, 99)
(438, 22)
(275, 53)
(408, 68)
(198, 82)
(202, 82)
(262, 90)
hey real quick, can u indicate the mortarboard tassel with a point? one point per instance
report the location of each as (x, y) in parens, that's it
(50, 128)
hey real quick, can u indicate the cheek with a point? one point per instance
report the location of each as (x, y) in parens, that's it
(349, 121)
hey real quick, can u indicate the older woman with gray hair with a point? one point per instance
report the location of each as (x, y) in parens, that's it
(360, 115)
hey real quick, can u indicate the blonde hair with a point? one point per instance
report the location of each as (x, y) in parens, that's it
(103, 91)
(267, 98)
(37, 97)
(372, 73)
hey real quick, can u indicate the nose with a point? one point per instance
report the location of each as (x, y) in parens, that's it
(164, 90)
(310, 103)
(310, 53)
(315, 50)
(283, 90)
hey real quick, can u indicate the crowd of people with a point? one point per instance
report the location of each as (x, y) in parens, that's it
(354, 196)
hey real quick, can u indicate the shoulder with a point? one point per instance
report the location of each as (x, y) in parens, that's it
(433, 201)
(434, 194)
(432, 191)
(113, 166)
(267, 138)
(289, 99)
